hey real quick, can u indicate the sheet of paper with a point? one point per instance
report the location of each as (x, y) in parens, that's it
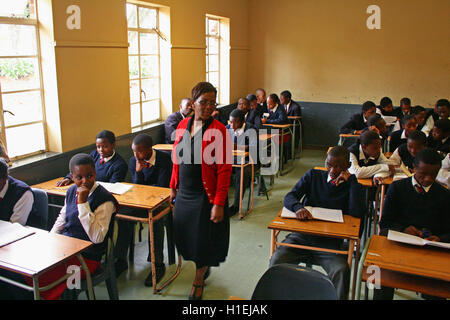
(410, 239)
(331, 215)
(116, 188)
(266, 115)
(389, 119)
(11, 232)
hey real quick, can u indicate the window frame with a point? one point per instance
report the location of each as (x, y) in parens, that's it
(139, 30)
(28, 22)
(219, 39)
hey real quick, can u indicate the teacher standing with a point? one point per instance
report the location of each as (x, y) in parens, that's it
(199, 184)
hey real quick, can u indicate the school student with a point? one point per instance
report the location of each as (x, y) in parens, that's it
(439, 137)
(277, 114)
(418, 206)
(359, 120)
(292, 108)
(444, 174)
(241, 141)
(152, 168)
(335, 188)
(172, 121)
(378, 124)
(261, 100)
(424, 123)
(441, 110)
(109, 165)
(404, 109)
(367, 159)
(16, 197)
(251, 116)
(409, 124)
(386, 108)
(405, 154)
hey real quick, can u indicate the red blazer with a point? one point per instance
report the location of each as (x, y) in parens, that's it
(216, 171)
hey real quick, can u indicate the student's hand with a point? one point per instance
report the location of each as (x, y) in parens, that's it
(303, 214)
(139, 166)
(413, 231)
(357, 132)
(378, 180)
(173, 195)
(391, 169)
(216, 214)
(64, 182)
(82, 193)
(433, 238)
(263, 120)
(373, 128)
(343, 177)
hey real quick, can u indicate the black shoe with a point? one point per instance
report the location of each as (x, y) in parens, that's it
(207, 273)
(120, 266)
(160, 271)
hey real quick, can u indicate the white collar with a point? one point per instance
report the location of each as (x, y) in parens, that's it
(110, 157)
(182, 115)
(364, 119)
(240, 131)
(5, 188)
(93, 188)
(362, 156)
(274, 109)
(152, 159)
(403, 136)
(443, 140)
(415, 182)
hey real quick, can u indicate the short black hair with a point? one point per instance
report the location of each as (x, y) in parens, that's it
(201, 88)
(418, 136)
(428, 156)
(286, 94)
(443, 103)
(419, 109)
(274, 97)
(443, 124)
(108, 135)
(368, 105)
(407, 118)
(368, 137)
(385, 101)
(251, 97)
(374, 119)
(81, 159)
(4, 168)
(340, 151)
(405, 101)
(143, 139)
(238, 113)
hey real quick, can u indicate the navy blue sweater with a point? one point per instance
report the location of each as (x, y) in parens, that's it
(404, 207)
(158, 175)
(16, 189)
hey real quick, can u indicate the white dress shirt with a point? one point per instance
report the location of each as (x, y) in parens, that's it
(429, 124)
(381, 169)
(415, 182)
(95, 224)
(444, 173)
(105, 160)
(23, 206)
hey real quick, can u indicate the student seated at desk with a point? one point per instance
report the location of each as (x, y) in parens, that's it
(261, 100)
(359, 120)
(424, 123)
(252, 117)
(417, 206)
(404, 109)
(335, 188)
(16, 197)
(409, 124)
(172, 121)
(439, 137)
(441, 111)
(405, 154)
(277, 114)
(237, 129)
(109, 165)
(385, 108)
(152, 168)
(367, 159)
(292, 108)
(378, 124)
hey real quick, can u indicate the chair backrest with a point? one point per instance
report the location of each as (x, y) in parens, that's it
(293, 282)
(38, 217)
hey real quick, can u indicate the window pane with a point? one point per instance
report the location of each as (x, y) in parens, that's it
(133, 41)
(214, 79)
(213, 46)
(17, 8)
(213, 64)
(207, 59)
(133, 67)
(150, 88)
(213, 27)
(134, 91)
(135, 115)
(150, 111)
(17, 40)
(149, 66)
(19, 74)
(26, 107)
(132, 15)
(147, 18)
(149, 43)
(33, 135)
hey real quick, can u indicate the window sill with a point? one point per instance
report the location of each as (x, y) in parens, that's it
(31, 159)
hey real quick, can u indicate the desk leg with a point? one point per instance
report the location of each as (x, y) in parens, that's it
(88, 277)
(355, 269)
(301, 136)
(37, 295)
(152, 248)
(383, 192)
(281, 152)
(241, 190)
(252, 187)
(293, 141)
(357, 290)
(273, 241)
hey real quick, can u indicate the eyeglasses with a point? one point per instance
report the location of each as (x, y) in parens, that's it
(211, 103)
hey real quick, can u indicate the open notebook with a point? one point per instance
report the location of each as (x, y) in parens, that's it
(116, 188)
(390, 120)
(410, 239)
(332, 215)
(11, 232)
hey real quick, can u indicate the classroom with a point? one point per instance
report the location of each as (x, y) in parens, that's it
(335, 113)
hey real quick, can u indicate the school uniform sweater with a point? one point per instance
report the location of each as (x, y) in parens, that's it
(404, 206)
(253, 119)
(406, 157)
(397, 138)
(156, 175)
(356, 122)
(439, 145)
(278, 116)
(16, 189)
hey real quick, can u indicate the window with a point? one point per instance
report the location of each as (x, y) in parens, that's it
(213, 52)
(22, 114)
(144, 64)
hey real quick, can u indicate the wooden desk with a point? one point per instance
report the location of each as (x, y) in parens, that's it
(163, 147)
(344, 136)
(140, 197)
(347, 230)
(282, 128)
(296, 121)
(243, 154)
(34, 255)
(409, 267)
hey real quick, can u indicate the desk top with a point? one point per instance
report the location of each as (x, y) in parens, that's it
(346, 230)
(39, 252)
(163, 147)
(366, 182)
(140, 196)
(348, 135)
(279, 126)
(294, 117)
(422, 261)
